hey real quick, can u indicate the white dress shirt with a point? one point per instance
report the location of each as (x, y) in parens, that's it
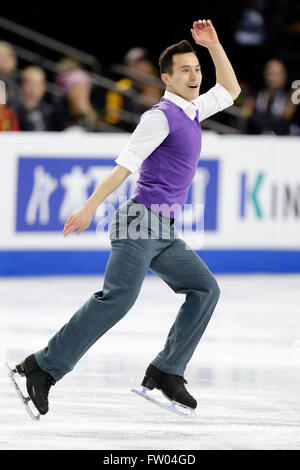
(154, 128)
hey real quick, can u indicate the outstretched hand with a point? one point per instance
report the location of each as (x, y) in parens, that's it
(204, 33)
(80, 220)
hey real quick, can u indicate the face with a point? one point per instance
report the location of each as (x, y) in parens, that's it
(33, 85)
(7, 60)
(186, 78)
(79, 92)
(274, 74)
(78, 98)
(142, 66)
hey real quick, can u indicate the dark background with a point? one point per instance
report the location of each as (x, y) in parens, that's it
(108, 30)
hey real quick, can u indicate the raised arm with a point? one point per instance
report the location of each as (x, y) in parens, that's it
(82, 218)
(204, 34)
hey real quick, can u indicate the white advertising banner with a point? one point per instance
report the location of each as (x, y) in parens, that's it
(248, 188)
(259, 191)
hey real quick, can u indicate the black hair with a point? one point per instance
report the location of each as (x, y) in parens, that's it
(166, 57)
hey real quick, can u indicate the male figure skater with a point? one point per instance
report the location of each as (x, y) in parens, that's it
(166, 147)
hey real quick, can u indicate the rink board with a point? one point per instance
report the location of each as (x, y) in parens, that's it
(247, 189)
(31, 263)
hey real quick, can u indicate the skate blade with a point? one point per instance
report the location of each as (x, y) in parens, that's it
(174, 407)
(25, 400)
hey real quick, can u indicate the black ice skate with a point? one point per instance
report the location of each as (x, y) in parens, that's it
(38, 384)
(172, 387)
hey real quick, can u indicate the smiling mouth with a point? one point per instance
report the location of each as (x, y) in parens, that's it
(193, 86)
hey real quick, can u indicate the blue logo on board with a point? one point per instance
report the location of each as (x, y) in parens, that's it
(50, 189)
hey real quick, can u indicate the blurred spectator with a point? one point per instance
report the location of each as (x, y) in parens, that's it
(33, 112)
(295, 125)
(136, 61)
(8, 119)
(250, 30)
(8, 62)
(273, 109)
(65, 64)
(75, 110)
(246, 99)
(250, 39)
(246, 103)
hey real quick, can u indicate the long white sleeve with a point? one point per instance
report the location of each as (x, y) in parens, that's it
(213, 101)
(149, 134)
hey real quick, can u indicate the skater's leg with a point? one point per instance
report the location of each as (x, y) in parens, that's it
(128, 264)
(184, 271)
(125, 272)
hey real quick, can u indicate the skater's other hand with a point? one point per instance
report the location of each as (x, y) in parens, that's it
(80, 219)
(204, 33)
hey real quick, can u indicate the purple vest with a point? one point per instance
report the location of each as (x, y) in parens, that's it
(167, 174)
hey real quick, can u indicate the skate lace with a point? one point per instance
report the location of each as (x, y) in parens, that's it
(181, 380)
(47, 383)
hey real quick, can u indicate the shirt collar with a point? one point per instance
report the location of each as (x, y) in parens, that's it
(188, 107)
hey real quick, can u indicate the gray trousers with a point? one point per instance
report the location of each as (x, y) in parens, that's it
(167, 256)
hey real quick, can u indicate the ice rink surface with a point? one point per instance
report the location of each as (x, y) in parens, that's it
(245, 373)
